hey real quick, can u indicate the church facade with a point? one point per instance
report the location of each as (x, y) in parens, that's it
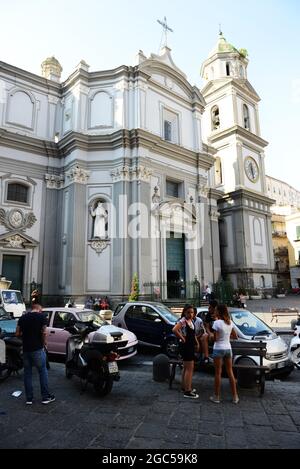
(127, 171)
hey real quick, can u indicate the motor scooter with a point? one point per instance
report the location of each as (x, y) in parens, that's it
(294, 349)
(91, 355)
(11, 358)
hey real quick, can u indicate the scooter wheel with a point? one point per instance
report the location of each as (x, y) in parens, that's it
(5, 373)
(103, 387)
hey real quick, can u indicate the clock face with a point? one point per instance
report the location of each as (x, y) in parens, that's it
(251, 169)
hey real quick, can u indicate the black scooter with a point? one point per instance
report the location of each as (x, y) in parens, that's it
(11, 355)
(92, 357)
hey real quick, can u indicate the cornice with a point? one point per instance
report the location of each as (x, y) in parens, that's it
(29, 144)
(24, 75)
(133, 139)
(121, 139)
(232, 83)
(256, 196)
(240, 131)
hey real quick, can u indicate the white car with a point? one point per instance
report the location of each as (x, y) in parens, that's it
(249, 327)
(59, 318)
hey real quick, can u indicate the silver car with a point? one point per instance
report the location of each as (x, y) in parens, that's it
(249, 327)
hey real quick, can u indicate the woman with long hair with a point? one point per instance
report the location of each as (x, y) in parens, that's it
(184, 329)
(223, 332)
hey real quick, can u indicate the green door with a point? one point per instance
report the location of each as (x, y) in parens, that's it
(175, 266)
(13, 269)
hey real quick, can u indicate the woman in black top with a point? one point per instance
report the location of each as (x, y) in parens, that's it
(185, 331)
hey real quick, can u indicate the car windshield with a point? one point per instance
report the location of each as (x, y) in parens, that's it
(167, 313)
(10, 297)
(4, 314)
(87, 316)
(249, 324)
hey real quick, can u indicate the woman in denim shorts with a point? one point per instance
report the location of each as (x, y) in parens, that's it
(223, 332)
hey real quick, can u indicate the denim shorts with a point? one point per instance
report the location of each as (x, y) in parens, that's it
(222, 353)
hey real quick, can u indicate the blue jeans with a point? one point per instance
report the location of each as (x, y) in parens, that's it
(37, 359)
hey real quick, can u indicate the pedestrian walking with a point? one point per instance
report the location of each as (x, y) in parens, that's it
(184, 329)
(32, 328)
(223, 331)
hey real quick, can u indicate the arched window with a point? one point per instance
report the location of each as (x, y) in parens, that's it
(246, 117)
(228, 69)
(262, 282)
(218, 171)
(215, 118)
(17, 192)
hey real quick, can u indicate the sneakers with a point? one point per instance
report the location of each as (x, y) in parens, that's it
(29, 402)
(191, 395)
(215, 399)
(236, 400)
(49, 399)
(206, 360)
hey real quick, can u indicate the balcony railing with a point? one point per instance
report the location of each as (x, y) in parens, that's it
(279, 234)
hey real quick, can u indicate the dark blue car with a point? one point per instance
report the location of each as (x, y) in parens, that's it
(151, 322)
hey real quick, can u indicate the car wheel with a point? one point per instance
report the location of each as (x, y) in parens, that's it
(171, 347)
(246, 378)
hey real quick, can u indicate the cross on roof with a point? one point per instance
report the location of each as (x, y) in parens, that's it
(166, 29)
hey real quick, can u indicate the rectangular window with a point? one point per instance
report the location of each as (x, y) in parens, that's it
(172, 188)
(168, 131)
(297, 232)
(17, 193)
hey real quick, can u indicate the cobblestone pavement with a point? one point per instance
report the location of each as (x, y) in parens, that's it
(141, 413)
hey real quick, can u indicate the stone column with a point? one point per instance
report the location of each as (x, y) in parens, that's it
(76, 231)
(52, 221)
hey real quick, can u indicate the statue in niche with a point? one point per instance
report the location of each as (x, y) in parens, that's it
(100, 219)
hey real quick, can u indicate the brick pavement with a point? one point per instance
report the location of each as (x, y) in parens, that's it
(140, 413)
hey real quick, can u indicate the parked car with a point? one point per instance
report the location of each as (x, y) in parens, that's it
(12, 301)
(7, 323)
(151, 322)
(250, 327)
(59, 318)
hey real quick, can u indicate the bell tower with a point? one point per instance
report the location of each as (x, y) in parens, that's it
(231, 126)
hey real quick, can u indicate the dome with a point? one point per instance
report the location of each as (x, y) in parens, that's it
(51, 69)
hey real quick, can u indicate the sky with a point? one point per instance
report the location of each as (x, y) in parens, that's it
(108, 34)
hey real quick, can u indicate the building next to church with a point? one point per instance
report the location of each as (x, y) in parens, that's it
(285, 232)
(108, 173)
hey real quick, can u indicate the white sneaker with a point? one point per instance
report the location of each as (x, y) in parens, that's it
(236, 400)
(215, 399)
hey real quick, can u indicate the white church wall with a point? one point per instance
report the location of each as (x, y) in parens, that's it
(98, 269)
(155, 105)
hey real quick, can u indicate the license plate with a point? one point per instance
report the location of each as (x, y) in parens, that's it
(281, 365)
(112, 367)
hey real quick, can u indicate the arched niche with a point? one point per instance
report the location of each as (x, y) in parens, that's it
(101, 110)
(21, 109)
(99, 218)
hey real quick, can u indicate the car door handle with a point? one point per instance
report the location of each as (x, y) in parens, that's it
(52, 332)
